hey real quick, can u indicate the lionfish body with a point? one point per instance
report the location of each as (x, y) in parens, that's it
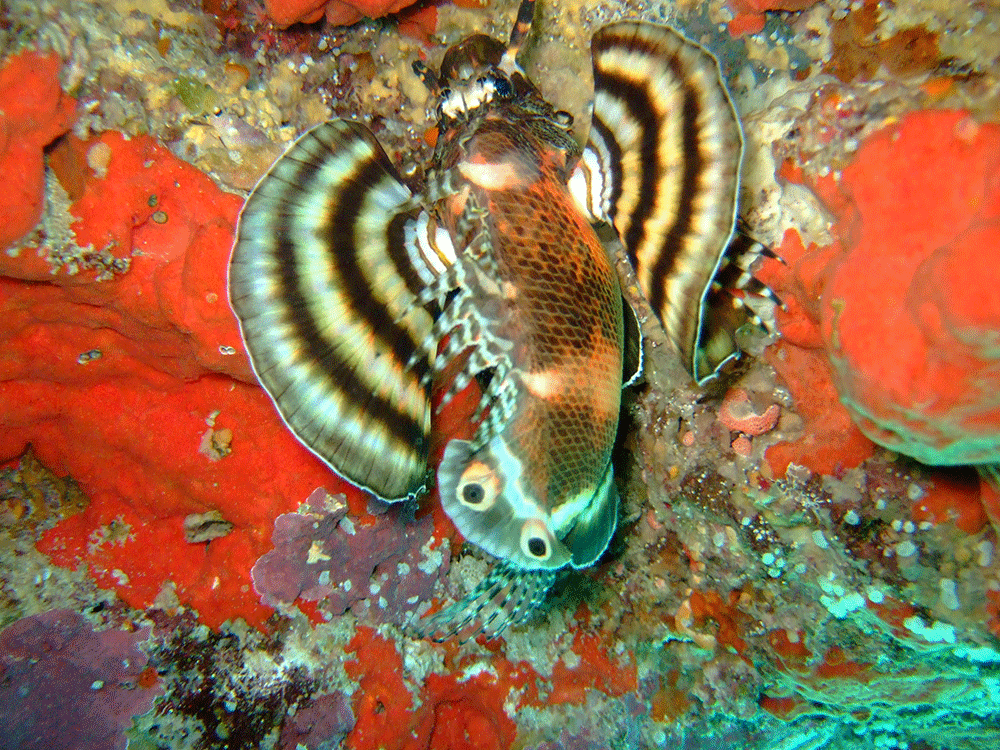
(356, 295)
(534, 487)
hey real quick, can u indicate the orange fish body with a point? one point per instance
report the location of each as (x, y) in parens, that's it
(554, 297)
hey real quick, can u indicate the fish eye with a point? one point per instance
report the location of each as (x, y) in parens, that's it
(479, 487)
(503, 87)
(473, 493)
(534, 543)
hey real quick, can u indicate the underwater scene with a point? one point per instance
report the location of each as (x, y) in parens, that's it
(499, 374)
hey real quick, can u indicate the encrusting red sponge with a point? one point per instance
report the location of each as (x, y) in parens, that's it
(906, 302)
(34, 111)
(337, 12)
(910, 314)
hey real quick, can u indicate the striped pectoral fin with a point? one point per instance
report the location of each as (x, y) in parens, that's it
(662, 166)
(324, 276)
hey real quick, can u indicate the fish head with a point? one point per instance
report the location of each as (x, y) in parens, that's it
(488, 495)
(513, 513)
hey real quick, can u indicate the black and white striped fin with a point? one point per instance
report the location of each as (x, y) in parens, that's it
(331, 255)
(662, 166)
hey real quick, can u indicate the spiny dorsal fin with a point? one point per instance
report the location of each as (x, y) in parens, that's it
(519, 32)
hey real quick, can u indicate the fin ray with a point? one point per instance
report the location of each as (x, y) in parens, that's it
(507, 596)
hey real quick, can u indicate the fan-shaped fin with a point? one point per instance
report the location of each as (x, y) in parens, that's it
(324, 277)
(662, 166)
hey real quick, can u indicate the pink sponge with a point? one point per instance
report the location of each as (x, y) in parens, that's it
(63, 685)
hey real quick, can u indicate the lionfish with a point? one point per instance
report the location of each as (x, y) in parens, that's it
(355, 294)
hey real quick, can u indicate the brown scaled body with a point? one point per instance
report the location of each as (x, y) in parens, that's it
(563, 307)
